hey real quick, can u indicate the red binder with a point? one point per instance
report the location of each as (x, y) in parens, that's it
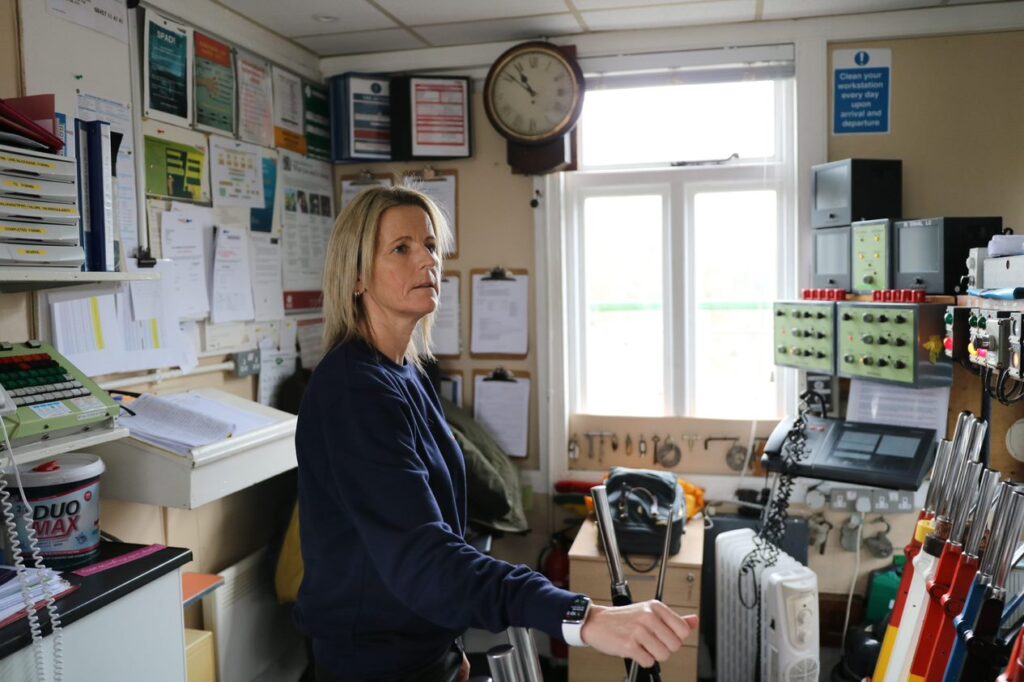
(19, 116)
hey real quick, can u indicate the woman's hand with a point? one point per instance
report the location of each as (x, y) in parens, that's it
(645, 632)
(464, 670)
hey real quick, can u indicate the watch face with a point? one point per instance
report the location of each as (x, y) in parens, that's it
(533, 93)
(577, 609)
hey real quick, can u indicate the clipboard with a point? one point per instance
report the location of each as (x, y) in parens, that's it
(501, 274)
(348, 184)
(506, 418)
(456, 393)
(434, 183)
(449, 317)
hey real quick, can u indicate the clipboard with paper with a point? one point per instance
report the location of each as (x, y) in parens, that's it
(499, 321)
(501, 403)
(351, 185)
(441, 185)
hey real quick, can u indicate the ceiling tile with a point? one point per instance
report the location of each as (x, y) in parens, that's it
(794, 9)
(584, 5)
(685, 14)
(451, 11)
(500, 30)
(362, 41)
(296, 18)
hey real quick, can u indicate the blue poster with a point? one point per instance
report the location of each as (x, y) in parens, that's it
(262, 219)
(862, 91)
(167, 61)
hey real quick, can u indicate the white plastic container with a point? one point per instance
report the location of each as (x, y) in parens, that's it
(64, 494)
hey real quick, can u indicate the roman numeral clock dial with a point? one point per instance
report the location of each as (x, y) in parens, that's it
(534, 94)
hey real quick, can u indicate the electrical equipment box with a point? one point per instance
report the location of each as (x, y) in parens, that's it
(856, 189)
(1004, 272)
(899, 343)
(871, 259)
(1016, 332)
(989, 337)
(975, 270)
(876, 455)
(931, 254)
(52, 397)
(957, 332)
(831, 258)
(805, 335)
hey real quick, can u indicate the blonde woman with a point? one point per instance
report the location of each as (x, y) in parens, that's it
(390, 583)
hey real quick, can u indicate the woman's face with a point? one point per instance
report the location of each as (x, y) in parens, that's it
(406, 268)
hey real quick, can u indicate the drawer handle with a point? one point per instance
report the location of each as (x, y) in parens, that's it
(690, 578)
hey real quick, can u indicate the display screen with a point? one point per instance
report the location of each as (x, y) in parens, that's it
(832, 187)
(898, 446)
(832, 251)
(857, 440)
(920, 248)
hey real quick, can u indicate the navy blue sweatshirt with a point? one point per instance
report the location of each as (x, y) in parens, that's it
(389, 579)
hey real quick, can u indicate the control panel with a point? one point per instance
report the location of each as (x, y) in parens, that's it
(1016, 332)
(805, 335)
(957, 332)
(871, 264)
(50, 395)
(989, 334)
(897, 343)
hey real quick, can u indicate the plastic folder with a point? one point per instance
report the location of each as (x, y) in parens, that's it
(36, 188)
(41, 254)
(41, 233)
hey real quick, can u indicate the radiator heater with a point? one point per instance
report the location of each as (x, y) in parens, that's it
(788, 613)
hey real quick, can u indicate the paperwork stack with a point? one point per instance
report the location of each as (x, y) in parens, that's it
(39, 216)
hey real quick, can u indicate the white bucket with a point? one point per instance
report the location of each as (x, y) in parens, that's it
(64, 494)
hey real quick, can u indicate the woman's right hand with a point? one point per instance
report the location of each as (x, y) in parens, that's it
(645, 632)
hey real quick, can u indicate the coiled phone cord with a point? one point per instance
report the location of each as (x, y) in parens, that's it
(19, 568)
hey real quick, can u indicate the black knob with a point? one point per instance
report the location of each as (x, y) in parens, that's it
(918, 280)
(782, 350)
(779, 313)
(820, 335)
(882, 340)
(900, 319)
(900, 342)
(820, 315)
(867, 360)
(867, 338)
(807, 353)
(796, 313)
(847, 316)
(899, 364)
(819, 355)
(883, 318)
(882, 362)
(807, 314)
(868, 317)
(848, 358)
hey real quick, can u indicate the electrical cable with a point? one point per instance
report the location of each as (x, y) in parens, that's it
(46, 576)
(853, 581)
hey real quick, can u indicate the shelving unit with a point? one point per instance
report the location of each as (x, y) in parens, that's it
(33, 452)
(29, 279)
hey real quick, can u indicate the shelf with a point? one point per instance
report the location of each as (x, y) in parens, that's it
(28, 279)
(32, 452)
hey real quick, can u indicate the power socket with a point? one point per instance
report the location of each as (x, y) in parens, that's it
(247, 362)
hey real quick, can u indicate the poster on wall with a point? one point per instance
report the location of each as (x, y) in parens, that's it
(862, 91)
(255, 101)
(167, 71)
(317, 121)
(236, 173)
(288, 117)
(360, 117)
(306, 223)
(215, 85)
(440, 117)
(174, 170)
(262, 219)
(106, 16)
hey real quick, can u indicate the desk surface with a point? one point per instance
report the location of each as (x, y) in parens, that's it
(691, 552)
(96, 591)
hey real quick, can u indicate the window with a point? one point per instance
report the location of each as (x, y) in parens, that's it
(672, 269)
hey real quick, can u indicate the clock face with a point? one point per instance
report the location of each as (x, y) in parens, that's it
(533, 93)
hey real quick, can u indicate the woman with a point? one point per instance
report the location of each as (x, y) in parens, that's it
(390, 583)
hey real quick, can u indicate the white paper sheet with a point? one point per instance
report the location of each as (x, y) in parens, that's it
(106, 16)
(267, 290)
(287, 101)
(350, 188)
(503, 408)
(877, 403)
(289, 334)
(268, 335)
(182, 241)
(232, 281)
(442, 189)
(236, 173)
(275, 367)
(228, 337)
(86, 331)
(243, 421)
(173, 426)
(146, 298)
(306, 222)
(500, 322)
(310, 333)
(445, 337)
(255, 100)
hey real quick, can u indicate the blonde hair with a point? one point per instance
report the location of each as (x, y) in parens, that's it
(350, 256)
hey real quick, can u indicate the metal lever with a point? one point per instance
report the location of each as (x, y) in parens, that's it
(502, 660)
(526, 654)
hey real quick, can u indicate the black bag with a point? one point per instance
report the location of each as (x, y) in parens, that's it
(641, 501)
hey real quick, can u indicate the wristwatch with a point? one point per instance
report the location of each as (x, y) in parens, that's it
(572, 621)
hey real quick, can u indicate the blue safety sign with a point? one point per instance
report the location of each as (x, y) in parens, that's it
(862, 91)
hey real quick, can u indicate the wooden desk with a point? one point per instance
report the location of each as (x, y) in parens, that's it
(588, 573)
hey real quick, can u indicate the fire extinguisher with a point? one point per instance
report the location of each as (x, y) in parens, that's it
(554, 564)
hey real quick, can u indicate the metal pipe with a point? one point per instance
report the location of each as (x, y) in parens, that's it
(156, 377)
(968, 495)
(607, 529)
(956, 469)
(999, 519)
(938, 475)
(1009, 542)
(665, 548)
(987, 494)
(526, 654)
(502, 660)
(976, 440)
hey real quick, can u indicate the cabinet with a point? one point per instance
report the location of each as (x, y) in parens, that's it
(588, 573)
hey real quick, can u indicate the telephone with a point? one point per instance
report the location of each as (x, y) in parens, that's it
(44, 396)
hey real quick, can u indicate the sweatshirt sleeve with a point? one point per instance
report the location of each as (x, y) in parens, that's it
(383, 483)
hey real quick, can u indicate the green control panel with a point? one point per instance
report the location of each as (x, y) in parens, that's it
(989, 331)
(957, 333)
(871, 259)
(899, 343)
(805, 335)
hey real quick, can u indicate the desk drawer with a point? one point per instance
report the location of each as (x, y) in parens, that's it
(682, 583)
(587, 665)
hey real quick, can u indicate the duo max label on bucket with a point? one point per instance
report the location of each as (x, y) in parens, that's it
(64, 496)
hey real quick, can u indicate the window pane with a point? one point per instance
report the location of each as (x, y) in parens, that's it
(735, 282)
(678, 123)
(623, 289)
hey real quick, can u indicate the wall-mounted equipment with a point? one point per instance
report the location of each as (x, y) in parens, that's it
(831, 258)
(871, 257)
(1002, 273)
(1016, 332)
(805, 335)
(957, 332)
(898, 343)
(930, 253)
(989, 337)
(856, 189)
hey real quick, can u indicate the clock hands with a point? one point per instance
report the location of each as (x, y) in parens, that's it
(521, 83)
(524, 79)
